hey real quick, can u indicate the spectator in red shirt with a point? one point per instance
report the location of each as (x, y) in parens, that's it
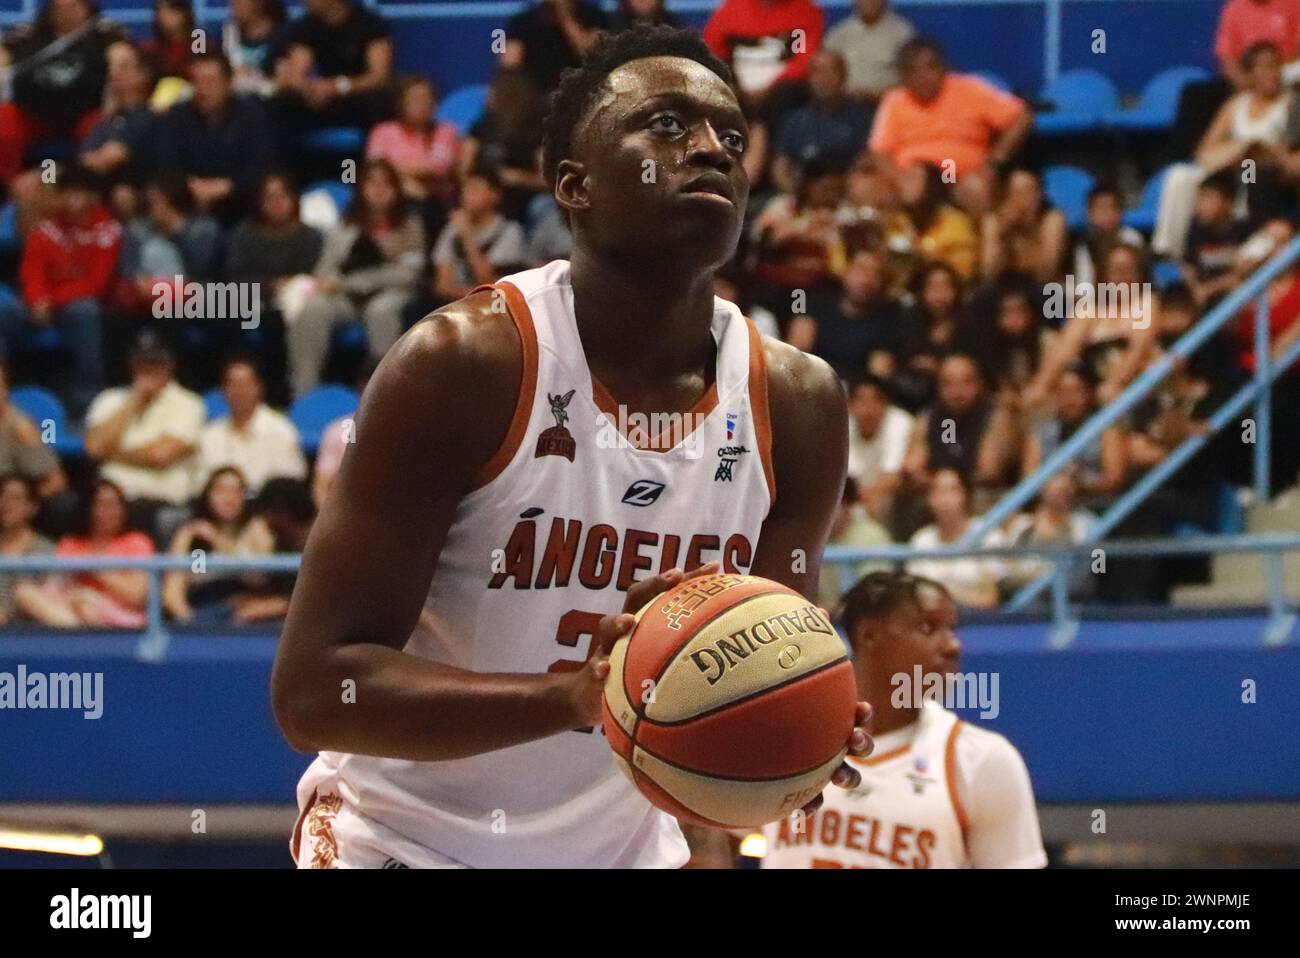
(1244, 23)
(766, 42)
(66, 269)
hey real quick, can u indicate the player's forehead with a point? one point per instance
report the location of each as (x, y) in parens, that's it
(678, 79)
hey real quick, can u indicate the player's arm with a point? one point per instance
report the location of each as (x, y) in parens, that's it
(436, 411)
(810, 442)
(810, 452)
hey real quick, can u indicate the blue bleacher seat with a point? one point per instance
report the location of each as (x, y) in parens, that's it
(1067, 187)
(463, 106)
(336, 139)
(1143, 216)
(42, 339)
(1079, 99)
(214, 404)
(349, 336)
(1158, 104)
(312, 412)
(8, 295)
(40, 405)
(1164, 273)
(9, 238)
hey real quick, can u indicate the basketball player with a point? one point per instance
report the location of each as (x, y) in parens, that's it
(492, 525)
(937, 792)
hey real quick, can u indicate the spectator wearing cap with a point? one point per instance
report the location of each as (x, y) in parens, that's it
(221, 141)
(144, 437)
(869, 41)
(65, 272)
(950, 120)
(261, 442)
(829, 124)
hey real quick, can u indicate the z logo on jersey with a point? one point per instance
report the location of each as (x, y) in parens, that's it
(557, 441)
(643, 492)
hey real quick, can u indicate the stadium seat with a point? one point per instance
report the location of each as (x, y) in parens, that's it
(349, 336)
(42, 339)
(1080, 99)
(9, 238)
(1143, 216)
(8, 295)
(1158, 104)
(336, 139)
(40, 405)
(1067, 188)
(463, 106)
(214, 404)
(1164, 273)
(312, 412)
(992, 79)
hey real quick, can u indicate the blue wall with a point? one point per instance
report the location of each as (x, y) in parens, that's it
(1139, 711)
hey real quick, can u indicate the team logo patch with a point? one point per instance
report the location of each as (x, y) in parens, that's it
(728, 456)
(731, 426)
(643, 492)
(557, 441)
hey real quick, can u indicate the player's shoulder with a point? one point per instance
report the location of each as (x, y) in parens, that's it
(797, 378)
(978, 746)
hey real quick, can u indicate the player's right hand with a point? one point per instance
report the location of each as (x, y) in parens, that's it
(589, 681)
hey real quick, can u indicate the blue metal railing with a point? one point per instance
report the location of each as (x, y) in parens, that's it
(155, 637)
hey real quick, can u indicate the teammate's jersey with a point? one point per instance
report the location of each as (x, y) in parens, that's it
(564, 518)
(919, 804)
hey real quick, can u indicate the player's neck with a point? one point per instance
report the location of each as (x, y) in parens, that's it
(886, 718)
(639, 318)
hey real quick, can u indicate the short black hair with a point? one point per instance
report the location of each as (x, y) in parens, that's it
(868, 379)
(1105, 188)
(1224, 183)
(878, 595)
(289, 497)
(569, 102)
(919, 45)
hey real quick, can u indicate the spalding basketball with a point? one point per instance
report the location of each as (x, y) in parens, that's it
(732, 701)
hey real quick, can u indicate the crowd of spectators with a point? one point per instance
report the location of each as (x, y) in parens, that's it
(895, 229)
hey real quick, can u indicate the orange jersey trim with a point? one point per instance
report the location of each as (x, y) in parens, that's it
(950, 773)
(762, 411)
(666, 440)
(522, 316)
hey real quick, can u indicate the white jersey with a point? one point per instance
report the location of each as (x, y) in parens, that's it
(568, 514)
(939, 793)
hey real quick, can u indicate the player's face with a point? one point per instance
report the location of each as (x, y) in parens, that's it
(658, 163)
(924, 634)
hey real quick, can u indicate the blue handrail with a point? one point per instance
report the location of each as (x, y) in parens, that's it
(1091, 431)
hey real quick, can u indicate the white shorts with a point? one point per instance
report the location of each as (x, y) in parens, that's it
(332, 833)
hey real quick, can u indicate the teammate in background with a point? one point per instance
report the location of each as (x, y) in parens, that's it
(937, 792)
(483, 488)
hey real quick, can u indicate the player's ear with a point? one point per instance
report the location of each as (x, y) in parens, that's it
(571, 186)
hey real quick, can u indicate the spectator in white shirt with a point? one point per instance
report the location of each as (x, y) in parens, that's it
(973, 580)
(261, 442)
(144, 437)
(879, 433)
(869, 41)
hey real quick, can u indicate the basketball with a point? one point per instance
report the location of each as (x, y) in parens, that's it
(731, 702)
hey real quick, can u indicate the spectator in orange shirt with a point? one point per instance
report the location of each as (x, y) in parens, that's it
(1244, 23)
(956, 122)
